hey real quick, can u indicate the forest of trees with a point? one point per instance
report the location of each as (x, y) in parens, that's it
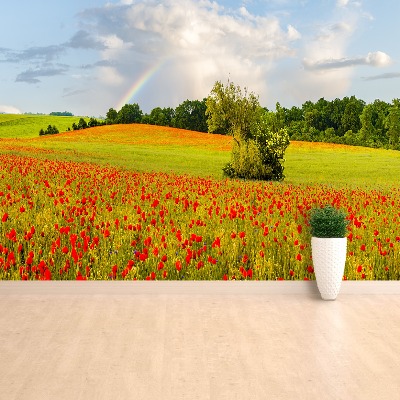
(347, 121)
(62, 114)
(191, 115)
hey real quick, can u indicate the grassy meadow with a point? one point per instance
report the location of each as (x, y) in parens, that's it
(148, 202)
(148, 148)
(25, 126)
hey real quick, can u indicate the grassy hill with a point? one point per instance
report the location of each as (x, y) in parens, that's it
(153, 148)
(25, 126)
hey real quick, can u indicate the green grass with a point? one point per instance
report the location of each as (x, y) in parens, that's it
(28, 126)
(306, 163)
(341, 165)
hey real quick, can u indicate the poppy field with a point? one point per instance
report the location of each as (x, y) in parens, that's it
(68, 220)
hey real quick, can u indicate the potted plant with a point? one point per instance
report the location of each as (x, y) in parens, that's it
(328, 246)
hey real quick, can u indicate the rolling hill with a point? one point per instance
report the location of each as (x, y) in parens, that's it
(153, 148)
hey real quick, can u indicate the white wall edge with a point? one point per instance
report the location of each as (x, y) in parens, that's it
(190, 287)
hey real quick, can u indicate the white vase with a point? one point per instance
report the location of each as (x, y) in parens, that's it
(329, 258)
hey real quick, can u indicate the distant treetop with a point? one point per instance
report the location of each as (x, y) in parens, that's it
(62, 114)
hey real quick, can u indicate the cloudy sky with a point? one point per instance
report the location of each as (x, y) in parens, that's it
(85, 56)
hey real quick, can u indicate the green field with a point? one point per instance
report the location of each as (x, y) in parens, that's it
(151, 148)
(210, 228)
(24, 126)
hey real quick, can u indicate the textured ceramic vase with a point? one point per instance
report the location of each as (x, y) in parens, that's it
(329, 258)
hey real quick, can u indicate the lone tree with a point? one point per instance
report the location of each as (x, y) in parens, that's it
(259, 147)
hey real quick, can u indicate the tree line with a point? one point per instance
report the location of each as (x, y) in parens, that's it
(346, 121)
(191, 115)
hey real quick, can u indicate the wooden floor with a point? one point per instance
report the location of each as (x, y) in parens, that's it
(199, 346)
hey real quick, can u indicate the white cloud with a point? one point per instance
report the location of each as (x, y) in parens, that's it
(387, 75)
(376, 59)
(342, 3)
(109, 76)
(346, 3)
(322, 57)
(200, 42)
(9, 109)
(293, 33)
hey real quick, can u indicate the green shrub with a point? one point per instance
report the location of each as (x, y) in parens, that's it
(247, 162)
(328, 222)
(51, 130)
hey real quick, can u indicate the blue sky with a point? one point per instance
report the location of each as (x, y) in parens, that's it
(86, 56)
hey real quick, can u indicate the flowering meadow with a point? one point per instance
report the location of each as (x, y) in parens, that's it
(70, 220)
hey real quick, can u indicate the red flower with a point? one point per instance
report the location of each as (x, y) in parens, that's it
(359, 268)
(160, 265)
(178, 265)
(5, 217)
(362, 248)
(298, 257)
(79, 277)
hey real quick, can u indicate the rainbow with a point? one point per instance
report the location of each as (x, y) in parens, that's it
(138, 84)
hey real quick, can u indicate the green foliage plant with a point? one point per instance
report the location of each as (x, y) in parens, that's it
(328, 222)
(259, 147)
(247, 162)
(51, 130)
